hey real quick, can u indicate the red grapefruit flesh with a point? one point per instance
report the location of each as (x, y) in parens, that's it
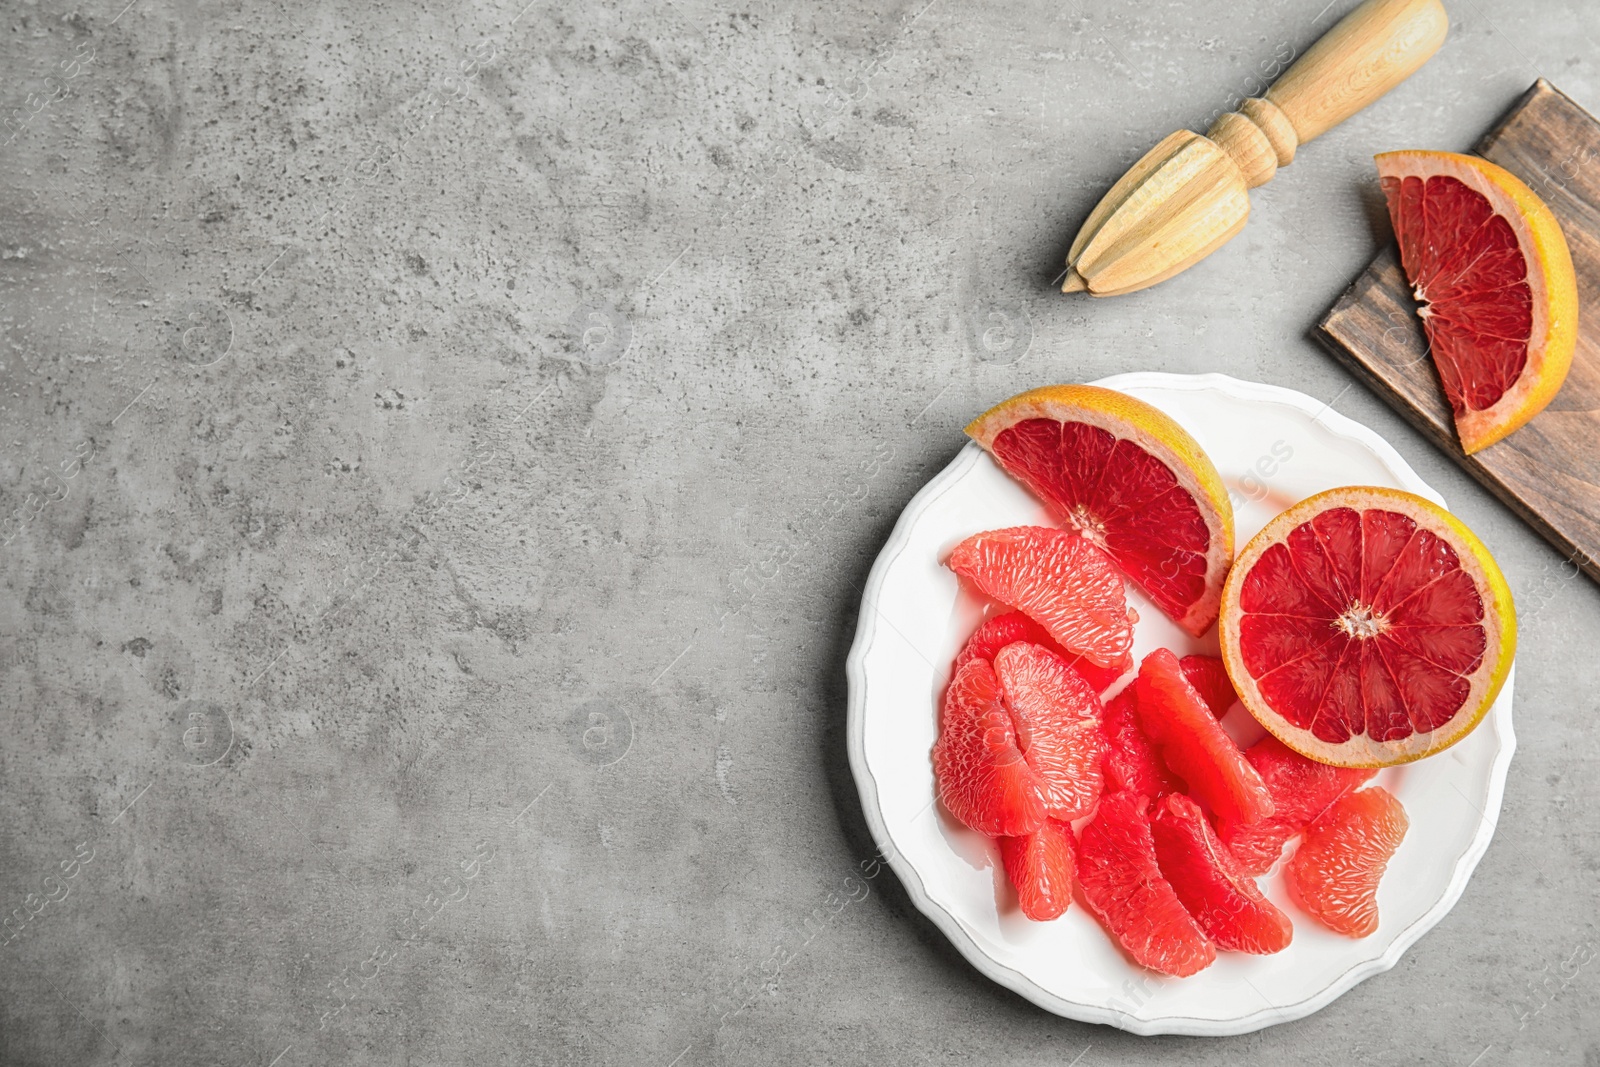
(984, 781)
(1478, 325)
(1123, 886)
(1132, 763)
(1491, 269)
(1057, 720)
(998, 631)
(1222, 899)
(1210, 679)
(1301, 789)
(1128, 477)
(1060, 580)
(1040, 868)
(1366, 627)
(1194, 745)
(1334, 874)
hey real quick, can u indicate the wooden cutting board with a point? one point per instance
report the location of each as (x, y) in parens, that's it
(1548, 471)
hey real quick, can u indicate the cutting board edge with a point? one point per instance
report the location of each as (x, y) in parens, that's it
(1539, 86)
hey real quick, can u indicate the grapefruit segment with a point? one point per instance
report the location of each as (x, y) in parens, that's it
(1194, 745)
(1060, 580)
(1040, 869)
(1489, 266)
(1366, 627)
(1129, 478)
(1132, 763)
(1123, 886)
(1334, 874)
(1221, 898)
(1210, 679)
(1056, 716)
(984, 781)
(1300, 788)
(998, 631)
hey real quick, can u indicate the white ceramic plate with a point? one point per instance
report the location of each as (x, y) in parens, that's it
(1273, 447)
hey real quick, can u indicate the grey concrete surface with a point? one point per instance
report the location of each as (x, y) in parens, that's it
(398, 400)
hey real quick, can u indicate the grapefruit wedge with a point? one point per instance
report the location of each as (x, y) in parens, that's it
(1221, 897)
(1060, 580)
(1019, 740)
(1123, 886)
(1209, 676)
(1492, 274)
(1040, 868)
(1301, 790)
(998, 631)
(1057, 721)
(1193, 743)
(1128, 478)
(1132, 764)
(1366, 627)
(1335, 872)
(983, 778)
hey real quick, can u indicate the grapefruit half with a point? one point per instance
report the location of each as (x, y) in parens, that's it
(1366, 627)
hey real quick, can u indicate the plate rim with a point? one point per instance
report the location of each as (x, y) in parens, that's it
(951, 927)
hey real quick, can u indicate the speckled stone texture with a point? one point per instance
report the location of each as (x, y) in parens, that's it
(443, 447)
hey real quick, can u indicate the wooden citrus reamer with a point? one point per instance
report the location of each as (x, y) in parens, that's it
(1189, 194)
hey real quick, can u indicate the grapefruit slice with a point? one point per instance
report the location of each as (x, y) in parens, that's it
(1060, 580)
(1490, 268)
(1130, 479)
(1366, 627)
(1057, 720)
(1335, 872)
(1194, 744)
(998, 631)
(1123, 886)
(1040, 868)
(1132, 763)
(1209, 677)
(1222, 899)
(983, 779)
(1301, 789)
